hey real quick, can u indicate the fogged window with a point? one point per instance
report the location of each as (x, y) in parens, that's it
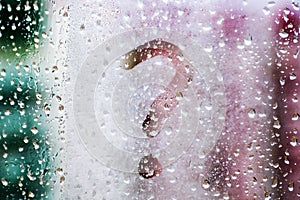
(149, 99)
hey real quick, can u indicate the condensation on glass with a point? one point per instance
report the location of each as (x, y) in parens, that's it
(149, 99)
(226, 127)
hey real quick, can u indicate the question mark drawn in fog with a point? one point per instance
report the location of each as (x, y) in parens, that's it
(163, 105)
(101, 118)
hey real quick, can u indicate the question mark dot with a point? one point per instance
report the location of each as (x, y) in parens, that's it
(149, 167)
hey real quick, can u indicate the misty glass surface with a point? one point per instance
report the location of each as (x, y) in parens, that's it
(149, 99)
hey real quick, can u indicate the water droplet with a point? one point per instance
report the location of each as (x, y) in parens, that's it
(282, 81)
(25, 139)
(35, 6)
(209, 107)
(283, 51)
(240, 46)
(290, 25)
(31, 194)
(220, 20)
(236, 153)
(3, 72)
(206, 28)
(251, 112)
(168, 131)
(13, 27)
(295, 116)
(44, 35)
(294, 141)
(62, 180)
(292, 76)
(276, 124)
(291, 186)
(286, 160)
(250, 146)
(5, 155)
(295, 131)
(61, 107)
(274, 182)
(286, 11)
(295, 5)
(283, 34)
(271, 4)
(226, 196)
(180, 12)
(250, 169)
(265, 178)
(166, 106)
(221, 43)
(208, 48)
(296, 54)
(172, 181)
(4, 181)
(266, 10)
(20, 149)
(36, 145)
(248, 40)
(171, 169)
(153, 133)
(22, 112)
(295, 99)
(34, 130)
(205, 184)
(7, 112)
(254, 180)
(267, 194)
(179, 96)
(60, 171)
(8, 8)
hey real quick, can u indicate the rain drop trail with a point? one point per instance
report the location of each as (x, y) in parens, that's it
(287, 68)
(168, 99)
